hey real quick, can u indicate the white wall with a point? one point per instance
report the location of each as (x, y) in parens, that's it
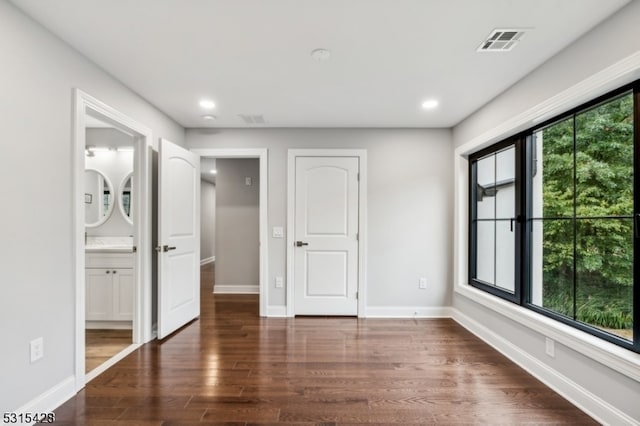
(237, 226)
(37, 298)
(207, 220)
(595, 384)
(410, 205)
(115, 165)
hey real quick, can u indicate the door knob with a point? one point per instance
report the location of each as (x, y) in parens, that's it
(301, 243)
(164, 248)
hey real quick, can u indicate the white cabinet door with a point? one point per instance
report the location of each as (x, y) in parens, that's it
(326, 235)
(122, 294)
(179, 237)
(99, 294)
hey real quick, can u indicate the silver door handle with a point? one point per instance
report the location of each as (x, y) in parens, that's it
(301, 243)
(164, 248)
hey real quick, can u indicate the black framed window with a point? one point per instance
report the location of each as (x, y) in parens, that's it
(573, 224)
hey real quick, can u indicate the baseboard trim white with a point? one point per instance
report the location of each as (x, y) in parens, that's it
(207, 260)
(51, 399)
(108, 325)
(407, 312)
(111, 362)
(591, 404)
(276, 311)
(236, 289)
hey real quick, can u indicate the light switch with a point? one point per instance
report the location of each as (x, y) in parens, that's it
(278, 232)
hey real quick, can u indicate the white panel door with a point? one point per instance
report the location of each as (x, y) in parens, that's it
(326, 236)
(178, 237)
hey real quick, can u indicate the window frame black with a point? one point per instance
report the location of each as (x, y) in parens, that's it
(524, 222)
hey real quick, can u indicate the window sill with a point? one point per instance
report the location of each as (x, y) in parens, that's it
(619, 359)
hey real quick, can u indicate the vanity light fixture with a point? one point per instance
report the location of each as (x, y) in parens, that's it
(430, 104)
(207, 104)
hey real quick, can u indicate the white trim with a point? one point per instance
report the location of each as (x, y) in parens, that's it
(83, 105)
(408, 312)
(608, 354)
(111, 362)
(277, 311)
(108, 325)
(594, 406)
(236, 289)
(207, 260)
(362, 219)
(263, 155)
(51, 399)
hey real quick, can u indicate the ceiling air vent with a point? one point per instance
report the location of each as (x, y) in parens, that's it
(501, 40)
(252, 119)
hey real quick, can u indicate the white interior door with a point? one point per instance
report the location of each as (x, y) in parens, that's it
(326, 236)
(178, 237)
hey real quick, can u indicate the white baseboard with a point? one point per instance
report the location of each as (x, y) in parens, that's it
(110, 362)
(407, 312)
(108, 325)
(591, 404)
(207, 260)
(276, 311)
(236, 289)
(51, 399)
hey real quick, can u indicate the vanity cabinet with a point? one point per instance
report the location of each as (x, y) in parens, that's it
(109, 287)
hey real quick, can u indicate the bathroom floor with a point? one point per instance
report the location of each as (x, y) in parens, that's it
(104, 344)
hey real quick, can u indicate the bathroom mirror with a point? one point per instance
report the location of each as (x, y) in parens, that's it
(125, 197)
(98, 198)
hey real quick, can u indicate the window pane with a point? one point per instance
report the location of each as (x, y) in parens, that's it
(505, 188)
(552, 265)
(485, 260)
(604, 276)
(505, 256)
(553, 171)
(604, 153)
(486, 172)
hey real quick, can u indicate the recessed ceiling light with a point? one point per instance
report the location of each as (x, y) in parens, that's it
(320, 55)
(430, 104)
(213, 171)
(209, 117)
(207, 104)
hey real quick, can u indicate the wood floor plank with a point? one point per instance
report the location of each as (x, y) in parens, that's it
(232, 367)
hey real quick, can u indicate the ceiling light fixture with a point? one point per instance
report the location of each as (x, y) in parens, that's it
(207, 104)
(213, 171)
(430, 104)
(320, 55)
(208, 117)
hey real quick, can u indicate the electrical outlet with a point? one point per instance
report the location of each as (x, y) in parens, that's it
(248, 181)
(550, 347)
(279, 282)
(422, 283)
(36, 349)
(278, 232)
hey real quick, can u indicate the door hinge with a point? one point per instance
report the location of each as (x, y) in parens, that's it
(358, 177)
(357, 237)
(356, 294)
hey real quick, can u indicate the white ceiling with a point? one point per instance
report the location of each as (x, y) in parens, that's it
(253, 56)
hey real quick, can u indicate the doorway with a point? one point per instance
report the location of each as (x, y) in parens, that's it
(113, 280)
(326, 232)
(218, 157)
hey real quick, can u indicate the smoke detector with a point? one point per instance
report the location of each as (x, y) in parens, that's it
(502, 40)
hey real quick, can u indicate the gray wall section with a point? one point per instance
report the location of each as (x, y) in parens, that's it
(237, 223)
(610, 42)
(39, 73)
(207, 219)
(409, 204)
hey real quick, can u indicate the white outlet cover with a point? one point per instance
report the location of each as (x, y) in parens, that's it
(248, 181)
(279, 282)
(422, 283)
(36, 347)
(278, 232)
(550, 347)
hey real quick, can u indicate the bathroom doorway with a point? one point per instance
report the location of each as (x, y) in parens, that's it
(112, 235)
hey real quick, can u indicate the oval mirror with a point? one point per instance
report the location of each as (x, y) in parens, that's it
(126, 198)
(98, 198)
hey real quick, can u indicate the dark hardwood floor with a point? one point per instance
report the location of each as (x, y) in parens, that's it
(233, 367)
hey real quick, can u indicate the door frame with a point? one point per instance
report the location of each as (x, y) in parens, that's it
(262, 155)
(361, 154)
(85, 104)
